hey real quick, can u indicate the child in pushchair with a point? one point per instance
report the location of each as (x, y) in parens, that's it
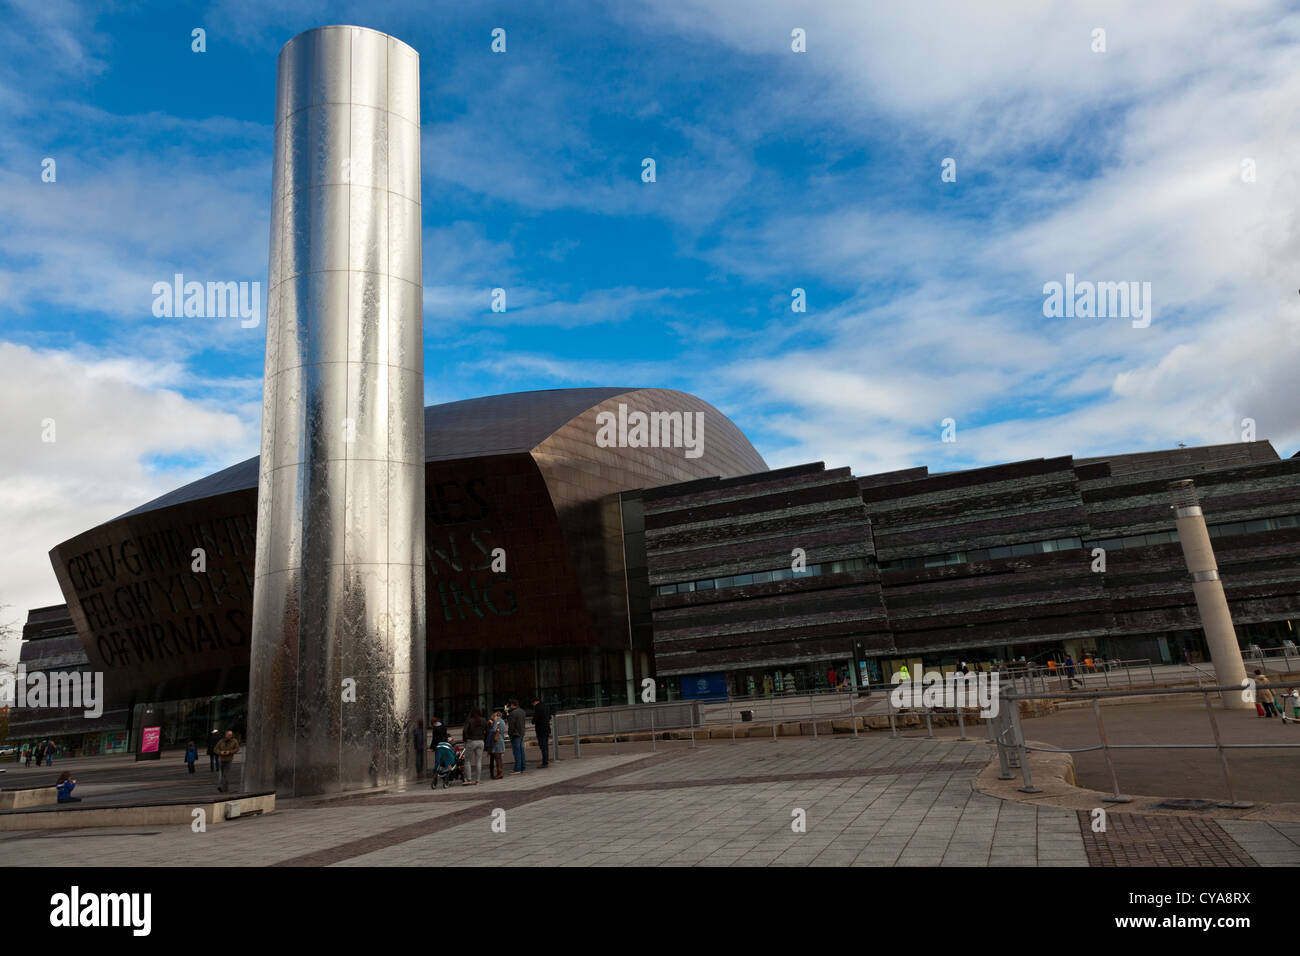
(448, 764)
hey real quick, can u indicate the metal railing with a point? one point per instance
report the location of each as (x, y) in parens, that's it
(1006, 732)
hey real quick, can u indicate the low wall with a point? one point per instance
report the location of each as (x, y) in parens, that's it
(27, 797)
(80, 816)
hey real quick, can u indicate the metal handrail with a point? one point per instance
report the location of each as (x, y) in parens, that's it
(1011, 724)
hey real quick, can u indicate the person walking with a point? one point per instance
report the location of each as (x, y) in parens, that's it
(191, 755)
(516, 726)
(213, 759)
(417, 738)
(1265, 695)
(28, 752)
(476, 731)
(49, 753)
(226, 750)
(542, 725)
(496, 746)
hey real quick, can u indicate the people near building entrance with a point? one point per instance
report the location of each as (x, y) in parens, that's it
(191, 755)
(767, 685)
(476, 732)
(31, 752)
(226, 749)
(65, 787)
(495, 745)
(49, 753)
(903, 674)
(542, 727)
(214, 762)
(515, 722)
(832, 678)
(1263, 695)
(749, 685)
(777, 682)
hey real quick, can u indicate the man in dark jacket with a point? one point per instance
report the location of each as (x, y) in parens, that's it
(542, 724)
(437, 732)
(515, 724)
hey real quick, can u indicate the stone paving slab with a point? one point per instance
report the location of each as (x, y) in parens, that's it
(874, 801)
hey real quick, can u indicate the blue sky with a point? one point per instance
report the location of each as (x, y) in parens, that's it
(775, 170)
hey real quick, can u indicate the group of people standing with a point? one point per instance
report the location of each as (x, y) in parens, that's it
(42, 751)
(483, 734)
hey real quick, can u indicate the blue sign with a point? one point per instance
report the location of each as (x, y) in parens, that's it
(704, 686)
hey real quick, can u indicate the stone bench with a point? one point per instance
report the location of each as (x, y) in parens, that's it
(149, 813)
(17, 798)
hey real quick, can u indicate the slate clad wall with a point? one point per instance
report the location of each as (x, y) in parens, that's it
(715, 528)
(1148, 586)
(1038, 597)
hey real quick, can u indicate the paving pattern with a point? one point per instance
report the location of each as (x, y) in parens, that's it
(1150, 840)
(870, 801)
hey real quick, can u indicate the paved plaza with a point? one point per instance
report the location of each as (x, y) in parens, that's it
(869, 801)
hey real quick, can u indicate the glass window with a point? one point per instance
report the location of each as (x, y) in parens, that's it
(937, 560)
(1286, 521)
(1067, 543)
(980, 554)
(740, 580)
(1000, 552)
(722, 582)
(1049, 546)
(685, 587)
(667, 589)
(1253, 527)
(1111, 544)
(705, 585)
(762, 577)
(1022, 550)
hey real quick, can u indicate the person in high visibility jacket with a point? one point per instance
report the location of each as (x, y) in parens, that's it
(904, 674)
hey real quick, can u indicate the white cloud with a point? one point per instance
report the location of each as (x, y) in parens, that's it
(111, 416)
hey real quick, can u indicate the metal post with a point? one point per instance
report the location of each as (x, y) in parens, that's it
(929, 730)
(1024, 754)
(653, 748)
(893, 728)
(731, 719)
(772, 706)
(961, 724)
(577, 744)
(813, 712)
(1233, 803)
(1151, 670)
(853, 712)
(1105, 751)
(692, 713)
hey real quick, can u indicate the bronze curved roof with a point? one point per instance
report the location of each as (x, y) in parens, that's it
(514, 423)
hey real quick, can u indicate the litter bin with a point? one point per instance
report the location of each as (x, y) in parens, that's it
(746, 716)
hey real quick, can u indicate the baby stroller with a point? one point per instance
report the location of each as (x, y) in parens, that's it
(1290, 699)
(448, 764)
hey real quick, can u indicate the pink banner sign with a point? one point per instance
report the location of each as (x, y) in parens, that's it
(149, 742)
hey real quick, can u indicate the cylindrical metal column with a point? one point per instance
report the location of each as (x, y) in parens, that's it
(1210, 601)
(337, 665)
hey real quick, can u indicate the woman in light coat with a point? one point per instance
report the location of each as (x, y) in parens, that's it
(497, 747)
